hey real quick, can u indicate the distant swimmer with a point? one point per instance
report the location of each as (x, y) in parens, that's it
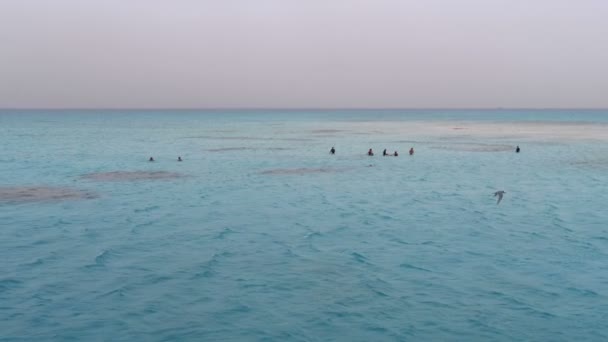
(179, 159)
(370, 152)
(151, 159)
(332, 151)
(499, 194)
(517, 149)
(411, 151)
(396, 154)
(384, 153)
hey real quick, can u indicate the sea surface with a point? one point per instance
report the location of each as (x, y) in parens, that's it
(261, 235)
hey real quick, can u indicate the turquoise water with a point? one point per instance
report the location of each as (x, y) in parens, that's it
(260, 234)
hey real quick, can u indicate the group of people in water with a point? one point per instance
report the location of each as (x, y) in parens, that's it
(370, 152)
(179, 159)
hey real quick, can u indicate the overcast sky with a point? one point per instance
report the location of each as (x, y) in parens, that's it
(303, 53)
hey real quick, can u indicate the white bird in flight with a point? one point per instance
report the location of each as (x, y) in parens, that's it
(499, 194)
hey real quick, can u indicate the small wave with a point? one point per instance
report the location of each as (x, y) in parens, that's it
(228, 149)
(475, 253)
(120, 292)
(7, 284)
(409, 141)
(313, 234)
(204, 274)
(412, 267)
(474, 147)
(602, 238)
(156, 279)
(208, 267)
(147, 209)
(252, 286)
(290, 253)
(247, 138)
(507, 298)
(400, 241)
(435, 304)
(359, 257)
(115, 176)
(231, 149)
(300, 171)
(137, 227)
(239, 308)
(343, 314)
(376, 328)
(102, 258)
(384, 217)
(376, 291)
(592, 164)
(325, 131)
(224, 233)
(583, 292)
(36, 262)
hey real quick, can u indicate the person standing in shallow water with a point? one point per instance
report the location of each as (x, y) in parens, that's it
(384, 153)
(151, 159)
(396, 154)
(179, 159)
(517, 149)
(370, 152)
(411, 151)
(332, 151)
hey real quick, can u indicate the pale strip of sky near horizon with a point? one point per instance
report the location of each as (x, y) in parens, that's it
(303, 53)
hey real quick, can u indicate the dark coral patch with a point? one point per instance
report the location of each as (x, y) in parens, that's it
(25, 194)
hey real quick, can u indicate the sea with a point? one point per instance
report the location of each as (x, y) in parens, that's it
(260, 234)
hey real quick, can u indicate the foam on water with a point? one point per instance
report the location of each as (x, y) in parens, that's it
(279, 240)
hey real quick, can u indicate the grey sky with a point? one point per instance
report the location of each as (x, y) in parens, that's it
(303, 53)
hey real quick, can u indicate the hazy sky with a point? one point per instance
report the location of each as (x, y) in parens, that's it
(303, 53)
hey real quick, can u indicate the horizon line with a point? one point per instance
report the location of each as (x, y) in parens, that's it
(290, 108)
